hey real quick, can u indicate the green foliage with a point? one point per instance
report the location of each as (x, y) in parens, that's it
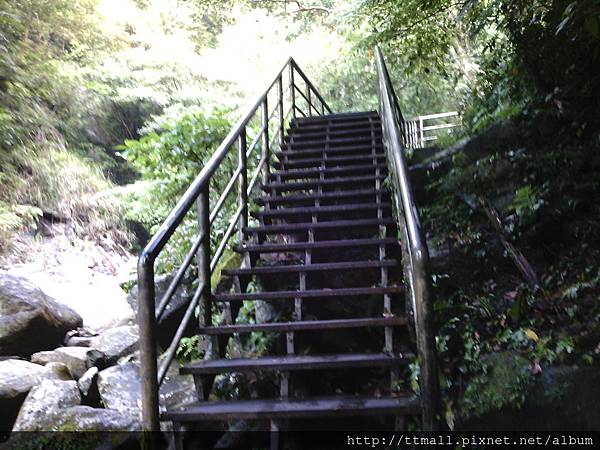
(188, 349)
(500, 54)
(169, 157)
(503, 381)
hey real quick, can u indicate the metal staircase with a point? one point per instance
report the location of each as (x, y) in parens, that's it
(325, 253)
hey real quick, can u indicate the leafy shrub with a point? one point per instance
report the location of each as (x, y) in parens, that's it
(169, 156)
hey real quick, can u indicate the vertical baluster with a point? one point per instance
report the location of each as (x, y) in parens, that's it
(203, 257)
(292, 91)
(280, 103)
(308, 96)
(266, 151)
(148, 350)
(421, 137)
(243, 183)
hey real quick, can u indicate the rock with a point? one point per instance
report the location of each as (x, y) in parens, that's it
(16, 379)
(85, 418)
(171, 318)
(117, 342)
(31, 321)
(75, 358)
(81, 337)
(54, 406)
(57, 371)
(87, 380)
(120, 389)
(44, 402)
(559, 398)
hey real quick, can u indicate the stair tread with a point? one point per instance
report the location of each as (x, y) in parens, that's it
(337, 117)
(320, 196)
(323, 209)
(327, 170)
(296, 362)
(305, 325)
(329, 152)
(365, 124)
(327, 155)
(293, 408)
(333, 142)
(357, 265)
(313, 293)
(294, 246)
(334, 159)
(317, 225)
(316, 182)
(299, 133)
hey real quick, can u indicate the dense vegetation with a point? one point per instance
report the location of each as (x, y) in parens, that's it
(88, 103)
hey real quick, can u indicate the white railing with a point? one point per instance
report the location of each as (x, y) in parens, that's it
(422, 129)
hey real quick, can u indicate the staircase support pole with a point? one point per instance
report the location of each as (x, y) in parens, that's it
(204, 272)
(430, 391)
(148, 349)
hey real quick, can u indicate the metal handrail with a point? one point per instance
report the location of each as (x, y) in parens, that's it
(415, 259)
(148, 315)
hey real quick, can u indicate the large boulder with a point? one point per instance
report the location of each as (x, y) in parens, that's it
(558, 398)
(77, 359)
(54, 406)
(120, 389)
(171, 318)
(117, 342)
(44, 402)
(17, 377)
(31, 321)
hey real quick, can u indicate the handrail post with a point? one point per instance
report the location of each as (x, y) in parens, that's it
(426, 343)
(266, 151)
(243, 184)
(148, 347)
(308, 97)
(292, 91)
(205, 317)
(280, 103)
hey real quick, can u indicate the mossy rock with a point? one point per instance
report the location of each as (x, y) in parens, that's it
(504, 385)
(564, 397)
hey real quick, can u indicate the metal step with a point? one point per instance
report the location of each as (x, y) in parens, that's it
(319, 267)
(301, 173)
(294, 408)
(308, 134)
(363, 125)
(289, 227)
(296, 363)
(299, 246)
(319, 210)
(312, 162)
(336, 195)
(309, 184)
(333, 143)
(315, 293)
(322, 150)
(306, 325)
(348, 117)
